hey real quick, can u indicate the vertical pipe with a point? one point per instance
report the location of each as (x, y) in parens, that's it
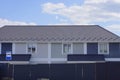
(13, 73)
(75, 71)
(82, 72)
(49, 70)
(95, 71)
(7, 70)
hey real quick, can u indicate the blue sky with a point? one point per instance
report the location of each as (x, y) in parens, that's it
(105, 13)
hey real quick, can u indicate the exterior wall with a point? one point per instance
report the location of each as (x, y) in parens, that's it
(114, 50)
(41, 56)
(78, 48)
(92, 48)
(53, 52)
(20, 48)
(57, 56)
(42, 51)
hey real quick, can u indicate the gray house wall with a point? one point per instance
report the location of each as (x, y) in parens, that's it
(20, 48)
(41, 55)
(55, 50)
(78, 48)
(42, 51)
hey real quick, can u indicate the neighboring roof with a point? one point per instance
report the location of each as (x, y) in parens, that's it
(54, 33)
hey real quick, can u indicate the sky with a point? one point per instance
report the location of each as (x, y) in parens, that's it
(105, 13)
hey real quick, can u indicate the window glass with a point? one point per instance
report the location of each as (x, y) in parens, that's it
(103, 48)
(31, 48)
(66, 48)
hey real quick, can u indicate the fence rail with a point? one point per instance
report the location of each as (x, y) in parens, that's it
(76, 71)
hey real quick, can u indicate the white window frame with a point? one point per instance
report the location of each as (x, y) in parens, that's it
(85, 48)
(71, 51)
(49, 53)
(107, 48)
(13, 48)
(35, 44)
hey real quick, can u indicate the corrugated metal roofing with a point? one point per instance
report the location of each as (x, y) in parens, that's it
(54, 33)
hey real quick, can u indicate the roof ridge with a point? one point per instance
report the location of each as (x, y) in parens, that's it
(50, 25)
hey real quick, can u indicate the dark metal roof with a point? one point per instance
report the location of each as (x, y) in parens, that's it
(89, 33)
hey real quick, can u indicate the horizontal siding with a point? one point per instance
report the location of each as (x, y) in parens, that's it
(41, 55)
(20, 48)
(42, 51)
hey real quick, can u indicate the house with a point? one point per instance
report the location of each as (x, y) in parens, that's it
(57, 44)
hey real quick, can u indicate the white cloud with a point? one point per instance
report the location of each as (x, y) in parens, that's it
(95, 1)
(60, 24)
(49, 7)
(90, 12)
(72, 12)
(117, 1)
(101, 1)
(64, 20)
(8, 22)
(114, 28)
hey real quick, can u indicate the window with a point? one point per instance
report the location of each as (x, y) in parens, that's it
(5, 47)
(103, 48)
(67, 48)
(31, 48)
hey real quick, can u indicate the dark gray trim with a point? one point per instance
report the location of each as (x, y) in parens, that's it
(5, 47)
(92, 48)
(16, 57)
(114, 50)
(85, 57)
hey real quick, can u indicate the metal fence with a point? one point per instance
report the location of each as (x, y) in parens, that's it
(71, 71)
